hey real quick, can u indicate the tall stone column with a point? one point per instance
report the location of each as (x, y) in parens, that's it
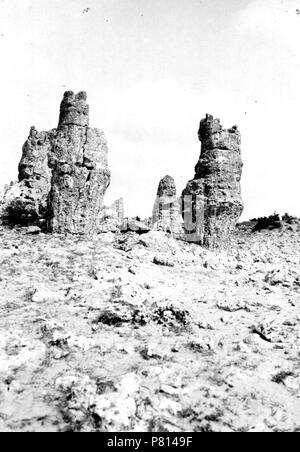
(166, 210)
(212, 202)
(80, 174)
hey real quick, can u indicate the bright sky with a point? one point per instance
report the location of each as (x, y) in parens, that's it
(152, 69)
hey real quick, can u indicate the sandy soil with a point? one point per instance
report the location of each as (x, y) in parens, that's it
(145, 333)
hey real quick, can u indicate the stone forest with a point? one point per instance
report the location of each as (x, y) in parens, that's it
(63, 177)
(184, 321)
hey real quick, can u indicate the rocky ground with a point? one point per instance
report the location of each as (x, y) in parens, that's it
(145, 333)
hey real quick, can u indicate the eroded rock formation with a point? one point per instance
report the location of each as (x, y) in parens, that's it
(112, 217)
(63, 174)
(118, 207)
(80, 175)
(166, 210)
(211, 202)
(35, 175)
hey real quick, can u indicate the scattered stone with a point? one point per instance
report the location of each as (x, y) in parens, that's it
(281, 376)
(164, 261)
(273, 331)
(33, 230)
(65, 383)
(159, 242)
(132, 270)
(212, 263)
(116, 315)
(280, 276)
(134, 226)
(232, 305)
(170, 315)
(56, 336)
(175, 348)
(170, 406)
(201, 345)
(152, 351)
(203, 325)
(43, 294)
(18, 350)
(127, 349)
(292, 382)
(108, 237)
(169, 390)
(90, 409)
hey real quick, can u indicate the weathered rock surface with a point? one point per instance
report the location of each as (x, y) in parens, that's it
(212, 201)
(35, 174)
(166, 211)
(63, 174)
(26, 201)
(118, 207)
(112, 217)
(132, 225)
(80, 175)
(74, 110)
(160, 335)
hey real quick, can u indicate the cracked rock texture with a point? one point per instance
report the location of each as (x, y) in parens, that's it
(112, 217)
(63, 174)
(212, 202)
(166, 211)
(80, 176)
(26, 201)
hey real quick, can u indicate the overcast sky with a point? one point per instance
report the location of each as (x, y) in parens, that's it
(152, 69)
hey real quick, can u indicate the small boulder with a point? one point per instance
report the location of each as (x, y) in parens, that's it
(130, 225)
